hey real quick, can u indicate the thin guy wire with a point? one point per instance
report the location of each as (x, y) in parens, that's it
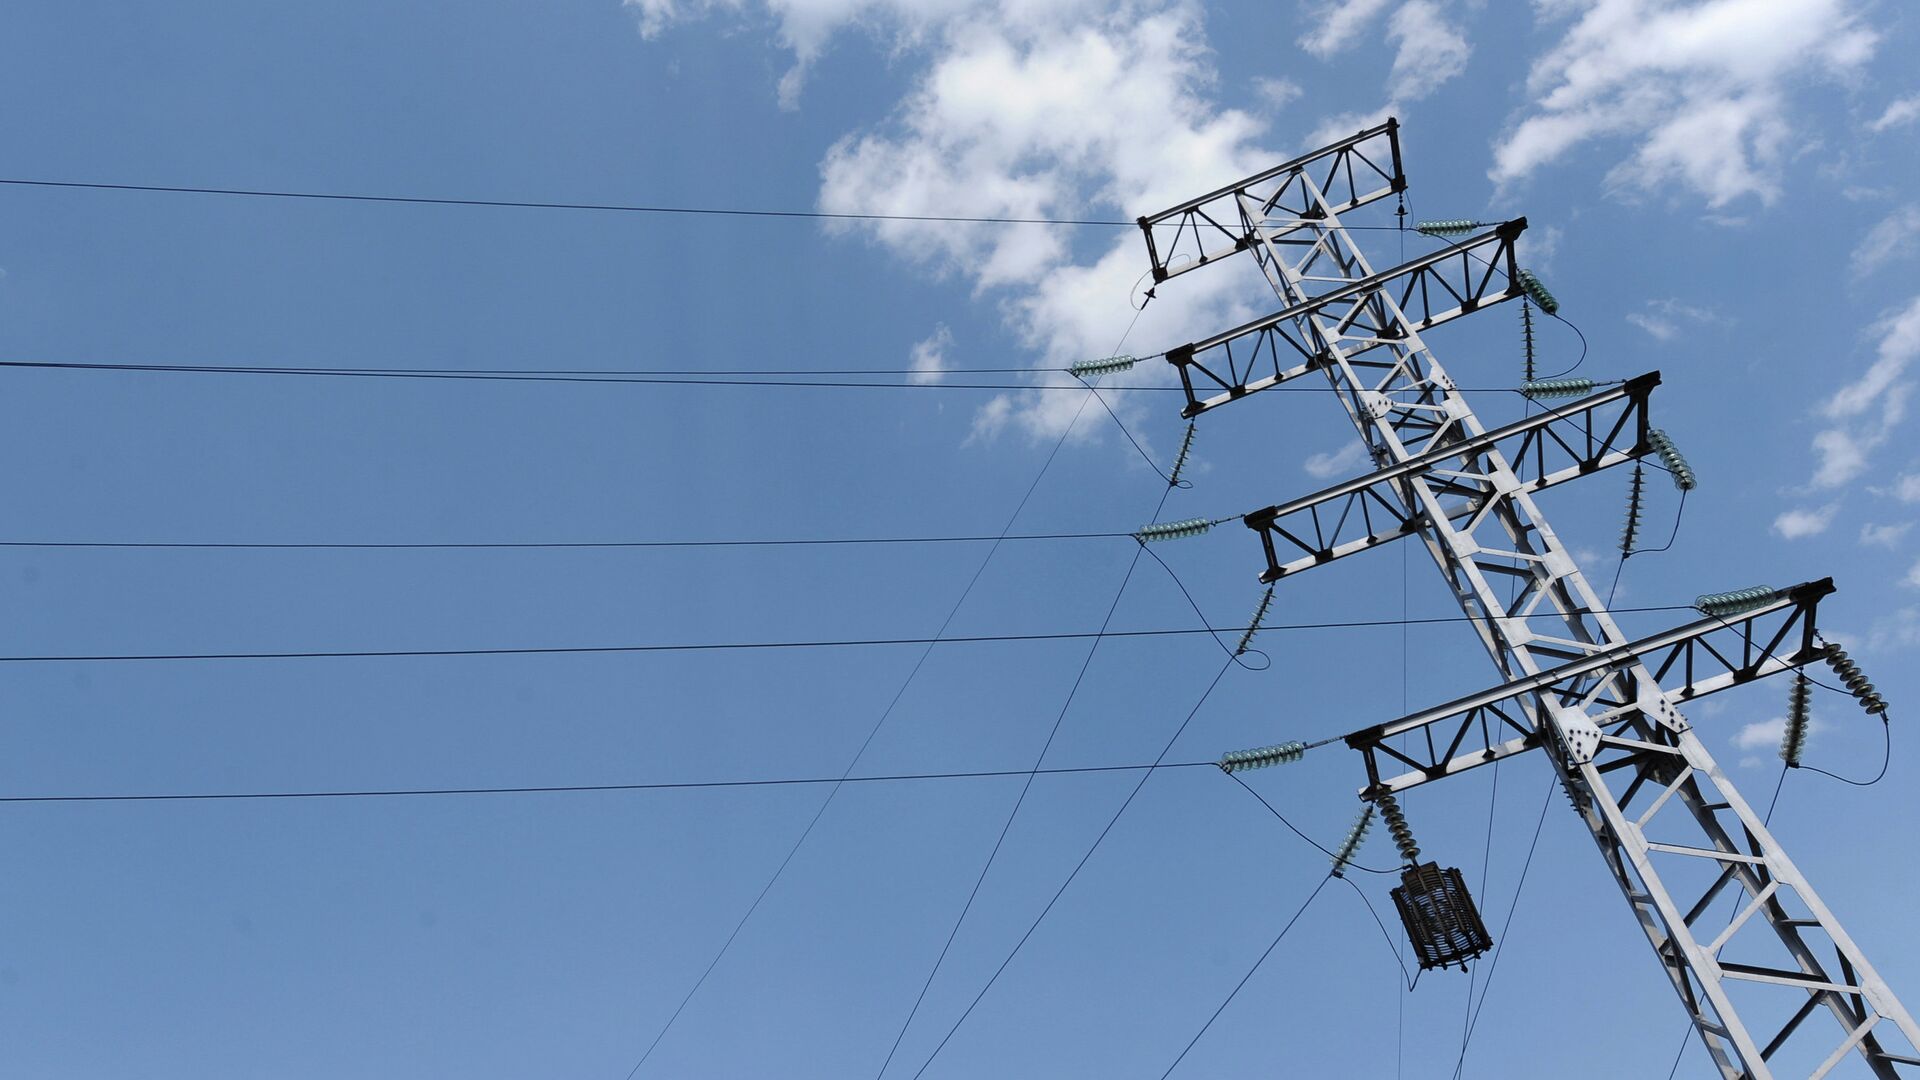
(748, 645)
(1020, 801)
(1243, 979)
(565, 789)
(871, 734)
(1494, 964)
(1084, 858)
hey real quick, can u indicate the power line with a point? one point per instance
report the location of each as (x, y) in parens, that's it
(527, 204)
(1243, 979)
(1112, 820)
(552, 544)
(872, 733)
(558, 789)
(1013, 814)
(482, 375)
(744, 645)
(523, 204)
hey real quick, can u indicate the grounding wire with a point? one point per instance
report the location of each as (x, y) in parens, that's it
(871, 734)
(1013, 814)
(750, 645)
(1084, 858)
(568, 789)
(1243, 979)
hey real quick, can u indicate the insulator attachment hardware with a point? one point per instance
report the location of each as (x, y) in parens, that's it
(1398, 828)
(1793, 742)
(1539, 388)
(1172, 530)
(1104, 366)
(1636, 491)
(1180, 459)
(1343, 855)
(1671, 457)
(1526, 335)
(1857, 684)
(1259, 614)
(1448, 227)
(1535, 291)
(1285, 753)
(1735, 602)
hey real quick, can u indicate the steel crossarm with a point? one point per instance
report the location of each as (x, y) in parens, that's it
(1670, 827)
(1561, 444)
(1702, 657)
(1364, 167)
(1432, 289)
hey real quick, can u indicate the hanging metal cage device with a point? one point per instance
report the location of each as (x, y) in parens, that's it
(1440, 918)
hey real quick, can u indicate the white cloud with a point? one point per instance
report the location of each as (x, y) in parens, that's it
(1277, 93)
(1900, 630)
(1913, 576)
(1665, 319)
(1842, 455)
(1766, 735)
(1866, 410)
(1703, 89)
(1337, 24)
(1030, 110)
(806, 26)
(929, 357)
(1340, 125)
(1342, 462)
(1886, 536)
(1802, 522)
(1895, 237)
(1903, 111)
(1907, 488)
(1428, 51)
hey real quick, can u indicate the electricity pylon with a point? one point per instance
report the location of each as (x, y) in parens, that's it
(1670, 827)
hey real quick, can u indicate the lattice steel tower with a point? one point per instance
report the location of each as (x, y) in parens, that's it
(1671, 828)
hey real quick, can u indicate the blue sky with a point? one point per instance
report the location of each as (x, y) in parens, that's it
(1720, 191)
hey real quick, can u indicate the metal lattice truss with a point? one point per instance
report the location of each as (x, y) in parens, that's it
(1561, 444)
(1435, 288)
(1361, 170)
(1700, 658)
(1673, 832)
